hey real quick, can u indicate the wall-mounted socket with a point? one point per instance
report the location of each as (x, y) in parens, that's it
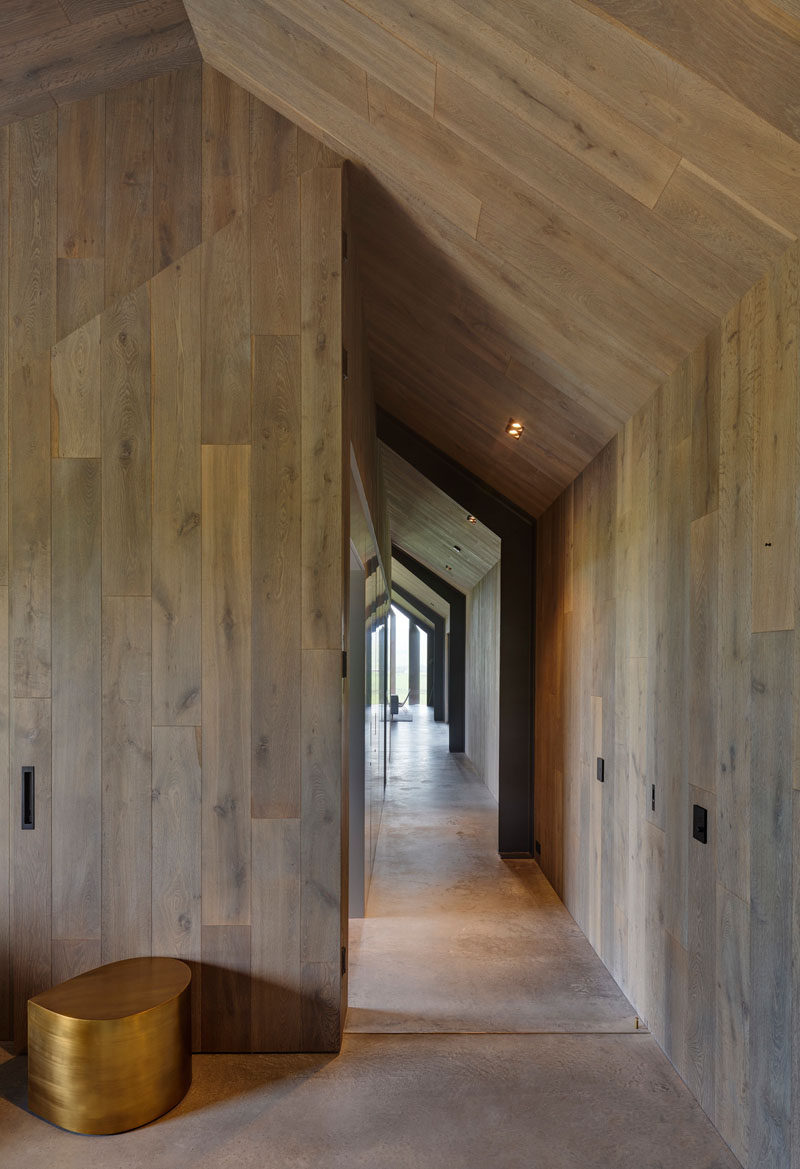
(601, 769)
(700, 824)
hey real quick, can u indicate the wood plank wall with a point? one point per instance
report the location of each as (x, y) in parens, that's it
(172, 527)
(482, 739)
(668, 642)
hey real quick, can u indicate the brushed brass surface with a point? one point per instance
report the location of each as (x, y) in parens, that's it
(110, 1050)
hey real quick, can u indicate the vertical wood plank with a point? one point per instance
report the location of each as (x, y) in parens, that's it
(177, 875)
(127, 764)
(29, 415)
(80, 293)
(177, 177)
(275, 957)
(76, 376)
(7, 804)
(226, 146)
(273, 151)
(129, 189)
(312, 154)
(226, 335)
(775, 459)
(704, 677)
(74, 956)
(31, 872)
(321, 804)
(700, 1021)
(226, 705)
(734, 618)
(732, 1022)
(4, 356)
(77, 787)
(321, 1007)
(275, 262)
(276, 535)
(771, 901)
(321, 357)
(125, 336)
(226, 989)
(176, 579)
(705, 386)
(82, 179)
(32, 196)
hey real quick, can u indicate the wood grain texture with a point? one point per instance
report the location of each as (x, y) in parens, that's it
(659, 545)
(129, 189)
(482, 743)
(4, 358)
(102, 49)
(176, 478)
(276, 989)
(226, 142)
(177, 173)
(81, 179)
(226, 705)
(226, 334)
(32, 202)
(321, 731)
(322, 1017)
(127, 779)
(7, 802)
(771, 835)
(77, 699)
(322, 422)
(80, 289)
(176, 843)
(126, 435)
(29, 529)
(277, 618)
(275, 262)
(73, 956)
(31, 896)
(226, 988)
(76, 383)
(273, 151)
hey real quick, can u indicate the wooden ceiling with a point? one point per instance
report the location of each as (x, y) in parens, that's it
(433, 528)
(405, 578)
(57, 51)
(558, 198)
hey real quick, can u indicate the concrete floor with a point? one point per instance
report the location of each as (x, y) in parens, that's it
(483, 1031)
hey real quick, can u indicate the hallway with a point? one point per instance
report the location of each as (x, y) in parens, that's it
(482, 1030)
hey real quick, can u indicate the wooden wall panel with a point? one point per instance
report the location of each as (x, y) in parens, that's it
(129, 189)
(177, 174)
(700, 494)
(163, 445)
(277, 619)
(176, 539)
(177, 872)
(31, 872)
(227, 639)
(127, 767)
(77, 703)
(32, 199)
(29, 544)
(125, 338)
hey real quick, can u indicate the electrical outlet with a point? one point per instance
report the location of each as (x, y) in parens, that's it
(601, 769)
(700, 824)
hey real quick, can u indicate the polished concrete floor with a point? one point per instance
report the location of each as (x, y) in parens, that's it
(483, 1031)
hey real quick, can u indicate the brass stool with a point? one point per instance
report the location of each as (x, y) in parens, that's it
(111, 1049)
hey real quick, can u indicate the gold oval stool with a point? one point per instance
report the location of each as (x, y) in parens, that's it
(111, 1049)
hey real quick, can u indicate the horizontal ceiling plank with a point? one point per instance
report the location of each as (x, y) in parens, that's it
(81, 60)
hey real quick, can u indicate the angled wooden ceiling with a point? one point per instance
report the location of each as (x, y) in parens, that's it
(405, 578)
(58, 51)
(558, 198)
(433, 528)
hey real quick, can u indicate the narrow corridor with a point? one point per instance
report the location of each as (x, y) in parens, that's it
(483, 1030)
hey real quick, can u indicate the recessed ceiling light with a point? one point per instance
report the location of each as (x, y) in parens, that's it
(472, 519)
(449, 569)
(514, 428)
(457, 547)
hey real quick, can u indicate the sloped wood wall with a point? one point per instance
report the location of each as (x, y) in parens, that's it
(172, 575)
(667, 642)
